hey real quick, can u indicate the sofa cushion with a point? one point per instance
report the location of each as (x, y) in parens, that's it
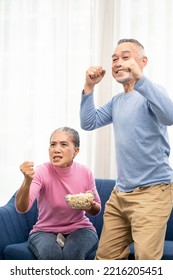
(169, 231)
(21, 251)
(18, 251)
(104, 188)
(168, 250)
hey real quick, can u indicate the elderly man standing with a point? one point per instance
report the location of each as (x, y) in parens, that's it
(141, 202)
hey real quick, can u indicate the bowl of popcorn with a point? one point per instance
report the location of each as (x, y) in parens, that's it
(80, 200)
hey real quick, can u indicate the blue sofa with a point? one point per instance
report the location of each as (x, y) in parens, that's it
(15, 227)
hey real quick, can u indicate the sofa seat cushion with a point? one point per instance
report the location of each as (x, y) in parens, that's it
(168, 250)
(19, 251)
(167, 253)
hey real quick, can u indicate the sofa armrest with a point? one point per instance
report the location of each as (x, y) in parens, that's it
(15, 227)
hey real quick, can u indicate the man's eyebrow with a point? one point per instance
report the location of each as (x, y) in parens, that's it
(126, 51)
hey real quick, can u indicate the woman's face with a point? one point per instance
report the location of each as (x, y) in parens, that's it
(62, 149)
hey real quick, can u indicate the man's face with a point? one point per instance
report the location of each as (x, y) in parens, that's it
(124, 52)
(62, 149)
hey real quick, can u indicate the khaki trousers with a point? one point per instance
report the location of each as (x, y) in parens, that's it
(141, 217)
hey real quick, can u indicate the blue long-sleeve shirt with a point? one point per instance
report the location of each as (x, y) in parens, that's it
(140, 119)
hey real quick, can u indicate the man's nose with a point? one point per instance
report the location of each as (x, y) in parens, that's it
(118, 62)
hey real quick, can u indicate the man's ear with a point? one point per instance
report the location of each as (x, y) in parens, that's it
(144, 61)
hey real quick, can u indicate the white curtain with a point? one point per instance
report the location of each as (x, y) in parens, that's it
(45, 48)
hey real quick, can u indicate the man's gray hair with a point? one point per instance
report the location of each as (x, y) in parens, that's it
(140, 47)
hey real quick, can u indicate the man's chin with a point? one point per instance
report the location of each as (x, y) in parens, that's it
(123, 80)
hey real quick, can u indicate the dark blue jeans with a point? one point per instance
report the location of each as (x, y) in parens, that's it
(78, 245)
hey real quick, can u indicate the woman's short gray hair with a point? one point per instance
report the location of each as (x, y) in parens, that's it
(73, 132)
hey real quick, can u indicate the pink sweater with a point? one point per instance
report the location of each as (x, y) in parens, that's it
(49, 187)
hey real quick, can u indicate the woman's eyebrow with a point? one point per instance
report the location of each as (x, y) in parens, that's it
(52, 142)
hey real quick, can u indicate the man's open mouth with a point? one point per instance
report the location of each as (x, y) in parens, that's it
(119, 70)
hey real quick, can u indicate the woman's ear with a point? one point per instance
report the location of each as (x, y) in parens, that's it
(76, 151)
